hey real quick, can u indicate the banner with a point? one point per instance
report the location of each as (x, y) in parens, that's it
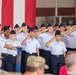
(17, 11)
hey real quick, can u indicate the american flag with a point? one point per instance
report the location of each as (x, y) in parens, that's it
(17, 11)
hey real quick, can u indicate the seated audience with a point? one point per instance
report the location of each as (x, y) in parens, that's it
(70, 62)
(35, 65)
(63, 70)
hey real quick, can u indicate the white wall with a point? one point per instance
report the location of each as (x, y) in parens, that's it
(66, 3)
(45, 3)
(51, 3)
(40, 20)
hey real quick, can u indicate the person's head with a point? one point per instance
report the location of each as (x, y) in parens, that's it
(70, 61)
(68, 26)
(13, 35)
(31, 32)
(74, 24)
(16, 27)
(10, 27)
(56, 26)
(36, 65)
(0, 60)
(35, 28)
(58, 35)
(2, 31)
(62, 27)
(24, 26)
(6, 31)
(43, 26)
(50, 28)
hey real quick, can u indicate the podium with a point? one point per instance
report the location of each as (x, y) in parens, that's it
(18, 63)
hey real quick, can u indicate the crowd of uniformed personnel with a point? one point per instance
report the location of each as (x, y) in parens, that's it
(45, 42)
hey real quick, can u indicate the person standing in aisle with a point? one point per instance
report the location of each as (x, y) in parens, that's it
(39, 34)
(45, 52)
(58, 51)
(3, 40)
(11, 45)
(31, 45)
(20, 37)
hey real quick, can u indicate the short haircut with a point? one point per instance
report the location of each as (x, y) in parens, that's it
(32, 69)
(70, 59)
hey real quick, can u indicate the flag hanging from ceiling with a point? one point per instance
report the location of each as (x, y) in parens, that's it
(17, 11)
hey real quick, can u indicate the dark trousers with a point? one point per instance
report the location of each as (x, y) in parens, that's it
(47, 56)
(71, 49)
(23, 61)
(26, 56)
(11, 63)
(56, 63)
(4, 60)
